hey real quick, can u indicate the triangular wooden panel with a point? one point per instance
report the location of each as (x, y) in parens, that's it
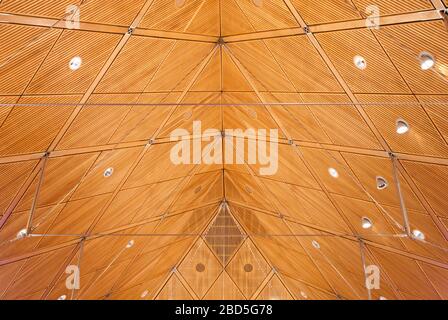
(200, 268)
(194, 16)
(224, 289)
(233, 79)
(248, 269)
(210, 78)
(88, 116)
(275, 290)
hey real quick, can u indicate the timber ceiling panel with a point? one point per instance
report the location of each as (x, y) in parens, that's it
(250, 16)
(86, 171)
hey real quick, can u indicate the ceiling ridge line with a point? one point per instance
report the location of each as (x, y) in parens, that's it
(165, 58)
(296, 151)
(40, 36)
(305, 162)
(279, 214)
(78, 109)
(91, 170)
(182, 259)
(182, 185)
(263, 285)
(268, 261)
(411, 17)
(60, 24)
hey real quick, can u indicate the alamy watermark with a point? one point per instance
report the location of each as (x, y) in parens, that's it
(261, 148)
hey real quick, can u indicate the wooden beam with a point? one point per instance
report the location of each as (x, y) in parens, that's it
(264, 35)
(101, 235)
(428, 15)
(184, 256)
(300, 143)
(103, 28)
(442, 228)
(348, 237)
(174, 35)
(269, 262)
(78, 109)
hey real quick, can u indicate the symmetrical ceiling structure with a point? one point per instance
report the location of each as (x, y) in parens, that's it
(86, 178)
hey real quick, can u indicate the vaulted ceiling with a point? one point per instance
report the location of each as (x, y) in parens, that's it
(85, 154)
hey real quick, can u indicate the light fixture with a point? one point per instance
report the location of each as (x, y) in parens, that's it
(418, 235)
(75, 63)
(22, 234)
(360, 62)
(382, 298)
(144, 294)
(427, 61)
(304, 295)
(402, 126)
(315, 244)
(381, 183)
(130, 244)
(63, 297)
(366, 223)
(108, 172)
(333, 172)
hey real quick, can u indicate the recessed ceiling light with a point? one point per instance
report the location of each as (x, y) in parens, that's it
(315, 244)
(360, 62)
(130, 244)
(145, 294)
(63, 297)
(418, 234)
(366, 223)
(381, 183)
(382, 298)
(427, 61)
(304, 295)
(22, 234)
(333, 172)
(402, 126)
(75, 63)
(108, 172)
(248, 268)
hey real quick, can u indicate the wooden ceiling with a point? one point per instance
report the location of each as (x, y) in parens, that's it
(221, 231)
